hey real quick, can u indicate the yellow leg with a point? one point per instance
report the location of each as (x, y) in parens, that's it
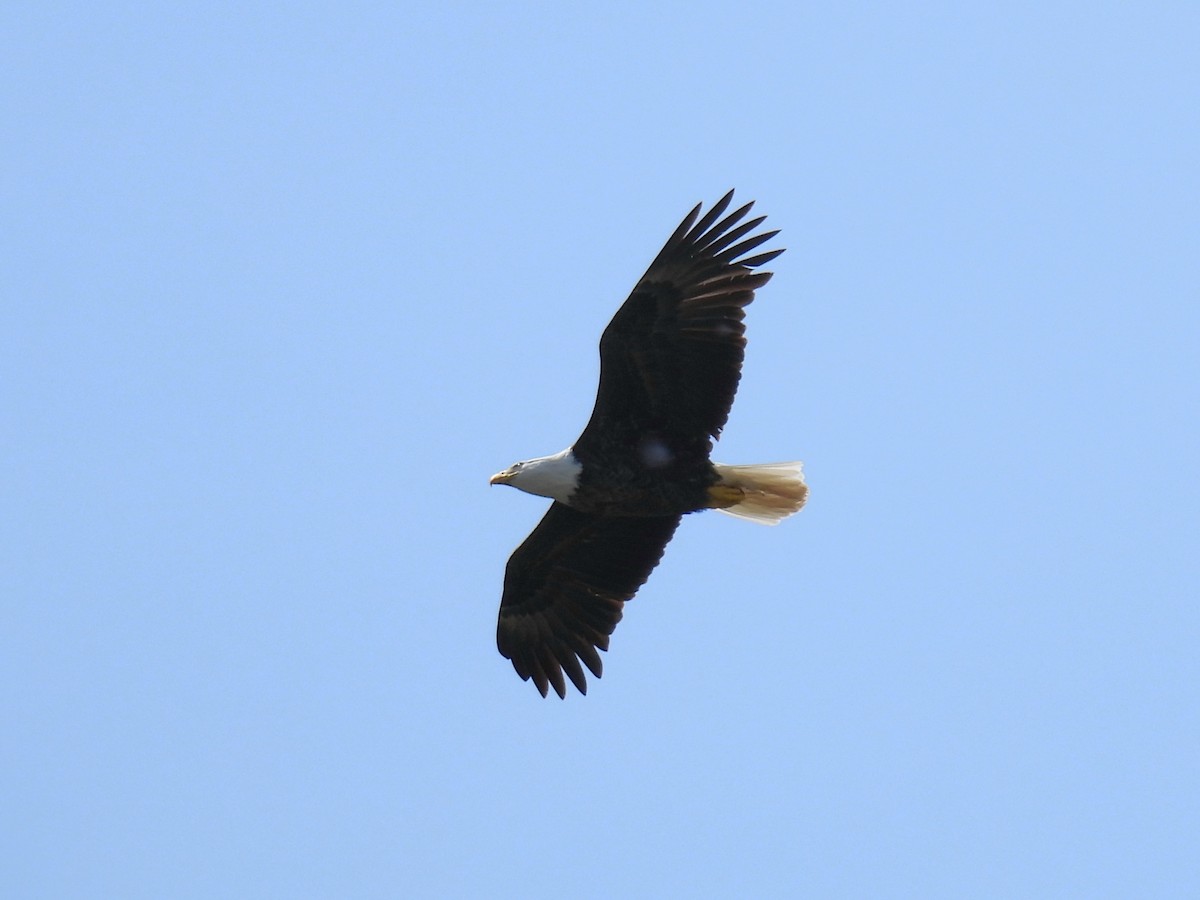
(723, 496)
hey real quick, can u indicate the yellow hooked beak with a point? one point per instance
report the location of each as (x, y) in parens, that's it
(501, 477)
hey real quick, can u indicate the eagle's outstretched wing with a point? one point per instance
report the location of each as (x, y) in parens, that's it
(564, 589)
(671, 357)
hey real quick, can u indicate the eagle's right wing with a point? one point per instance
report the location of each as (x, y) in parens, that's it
(565, 587)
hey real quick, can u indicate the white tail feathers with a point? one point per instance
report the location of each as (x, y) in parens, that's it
(773, 491)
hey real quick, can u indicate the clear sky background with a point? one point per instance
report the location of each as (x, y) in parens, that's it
(283, 284)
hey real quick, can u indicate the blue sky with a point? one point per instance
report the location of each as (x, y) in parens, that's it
(284, 284)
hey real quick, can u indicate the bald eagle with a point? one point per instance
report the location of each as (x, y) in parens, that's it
(670, 361)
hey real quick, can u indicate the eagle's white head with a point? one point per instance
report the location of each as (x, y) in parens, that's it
(554, 476)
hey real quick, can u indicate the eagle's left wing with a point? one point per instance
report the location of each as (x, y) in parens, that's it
(671, 357)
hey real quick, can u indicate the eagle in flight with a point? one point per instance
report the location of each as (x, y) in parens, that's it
(670, 361)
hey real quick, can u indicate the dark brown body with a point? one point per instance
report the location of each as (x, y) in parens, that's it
(648, 479)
